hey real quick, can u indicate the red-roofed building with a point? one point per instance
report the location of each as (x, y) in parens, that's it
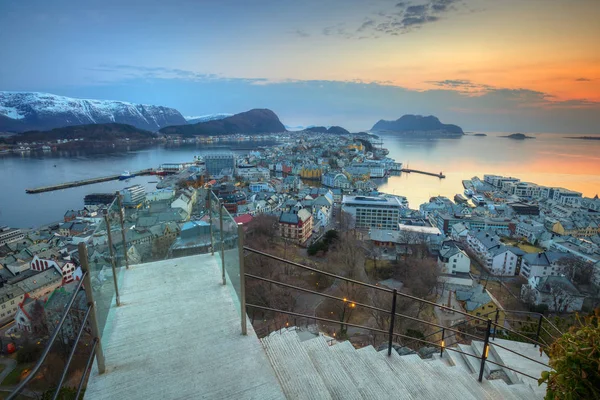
(243, 219)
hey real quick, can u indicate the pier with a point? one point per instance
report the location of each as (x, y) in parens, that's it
(416, 171)
(84, 182)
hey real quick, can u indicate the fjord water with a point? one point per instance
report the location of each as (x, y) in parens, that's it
(550, 159)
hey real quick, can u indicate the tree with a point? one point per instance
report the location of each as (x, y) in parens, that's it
(261, 232)
(579, 272)
(575, 362)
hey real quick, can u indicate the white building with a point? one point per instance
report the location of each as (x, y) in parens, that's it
(184, 202)
(133, 196)
(373, 212)
(557, 292)
(8, 235)
(160, 195)
(542, 264)
(453, 259)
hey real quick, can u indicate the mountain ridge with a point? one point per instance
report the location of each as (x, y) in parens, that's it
(25, 111)
(255, 121)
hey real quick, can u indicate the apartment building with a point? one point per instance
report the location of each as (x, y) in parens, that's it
(373, 212)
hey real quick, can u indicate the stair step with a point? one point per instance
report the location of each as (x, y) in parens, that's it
(416, 380)
(473, 362)
(338, 382)
(445, 378)
(505, 390)
(477, 347)
(363, 378)
(383, 374)
(296, 373)
(458, 360)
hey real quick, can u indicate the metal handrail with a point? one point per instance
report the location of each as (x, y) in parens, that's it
(529, 358)
(87, 367)
(355, 303)
(251, 250)
(46, 351)
(513, 370)
(72, 353)
(539, 315)
(332, 321)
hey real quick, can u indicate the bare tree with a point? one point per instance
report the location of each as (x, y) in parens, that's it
(579, 272)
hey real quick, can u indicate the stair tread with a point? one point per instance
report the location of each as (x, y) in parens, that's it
(288, 359)
(338, 382)
(346, 356)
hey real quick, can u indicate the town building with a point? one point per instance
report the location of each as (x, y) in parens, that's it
(9, 235)
(453, 259)
(555, 291)
(373, 212)
(133, 196)
(296, 225)
(217, 162)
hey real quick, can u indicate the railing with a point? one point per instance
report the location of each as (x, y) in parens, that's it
(490, 326)
(110, 250)
(89, 319)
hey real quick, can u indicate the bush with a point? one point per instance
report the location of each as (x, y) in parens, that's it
(28, 353)
(575, 360)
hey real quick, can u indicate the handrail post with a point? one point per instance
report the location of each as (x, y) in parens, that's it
(87, 285)
(443, 344)
(222, 244)
(120, 204)
(496, 322)
(539, 329)
(210, 216)
(240, 231)
(392, 321)
(112, 257)
(486, 348)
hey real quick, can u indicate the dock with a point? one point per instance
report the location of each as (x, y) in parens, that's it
(83, 182)
(416, 171)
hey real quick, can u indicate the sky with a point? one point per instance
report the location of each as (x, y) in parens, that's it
(486, 65)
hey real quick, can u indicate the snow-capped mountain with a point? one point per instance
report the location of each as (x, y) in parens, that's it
(24, 111)
(205, 118)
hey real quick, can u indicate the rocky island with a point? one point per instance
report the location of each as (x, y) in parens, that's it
(519, 136)
(418, 125)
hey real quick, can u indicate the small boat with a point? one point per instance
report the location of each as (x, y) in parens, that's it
(469, 192)
(459, 198)
(125, 175)
(478, 200)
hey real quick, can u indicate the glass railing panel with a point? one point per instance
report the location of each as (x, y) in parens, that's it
(101, 272)
(231, 251)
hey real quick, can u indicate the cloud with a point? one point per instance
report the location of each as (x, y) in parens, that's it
(301, 33)
(367, 24)
(583, 80)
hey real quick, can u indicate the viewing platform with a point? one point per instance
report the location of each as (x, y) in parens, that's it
(177, 335)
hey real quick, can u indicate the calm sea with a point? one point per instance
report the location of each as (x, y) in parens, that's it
(550, 159)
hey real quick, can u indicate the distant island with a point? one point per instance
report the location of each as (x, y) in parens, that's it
(256, 121)
(418, 125)
(584, 137)
(518, 136)
(479, 134)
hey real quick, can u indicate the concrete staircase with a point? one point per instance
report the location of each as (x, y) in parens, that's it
(312, 369)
